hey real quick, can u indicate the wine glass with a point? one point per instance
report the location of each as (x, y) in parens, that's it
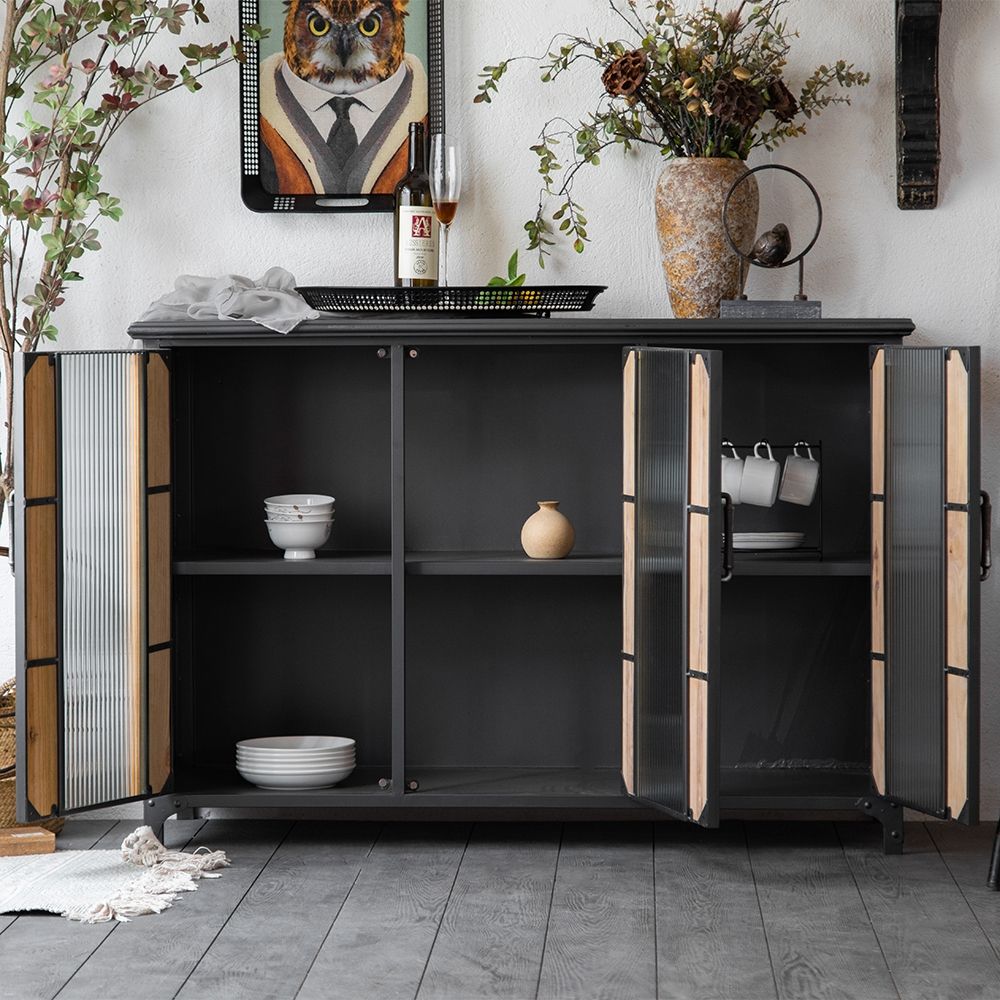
(446, 186)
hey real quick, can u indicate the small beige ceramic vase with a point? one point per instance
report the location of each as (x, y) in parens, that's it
(547, 534)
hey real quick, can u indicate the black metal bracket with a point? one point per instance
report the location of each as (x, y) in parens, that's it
(155, 812)
(727, 538)
(918, 127)
(890, 815)
(986, 554)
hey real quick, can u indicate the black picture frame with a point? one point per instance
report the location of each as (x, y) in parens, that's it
(255, 196)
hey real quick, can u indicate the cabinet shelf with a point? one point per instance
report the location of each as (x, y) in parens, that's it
(793, 563)
(792, 787)
(272, 563)
(509, 564)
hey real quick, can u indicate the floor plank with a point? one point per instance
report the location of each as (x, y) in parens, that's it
(269, 943)
(966, 851)
(379, 944)
(821, 941)
(161, 951)
(601, 936)
(709, 931)
(39, 953)
(77, 835)
(493, 931)
(935, 948)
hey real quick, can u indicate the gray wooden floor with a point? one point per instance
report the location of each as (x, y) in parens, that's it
(323, 910)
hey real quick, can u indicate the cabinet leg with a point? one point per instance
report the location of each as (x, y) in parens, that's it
(155, 812)
(993, 880)
(890, 816)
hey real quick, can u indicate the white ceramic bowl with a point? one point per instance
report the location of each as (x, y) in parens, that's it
(297, 743)
(291, 517)
(300, 539)
(304, 503)
(322, 779)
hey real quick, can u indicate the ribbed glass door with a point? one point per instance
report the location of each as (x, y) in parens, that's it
(671, 580)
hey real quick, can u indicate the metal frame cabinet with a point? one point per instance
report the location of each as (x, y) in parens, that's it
(476, 679)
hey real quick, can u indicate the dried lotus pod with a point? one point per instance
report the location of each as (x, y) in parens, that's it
(626, 74)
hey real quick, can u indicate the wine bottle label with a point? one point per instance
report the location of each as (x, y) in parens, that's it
(418, 243)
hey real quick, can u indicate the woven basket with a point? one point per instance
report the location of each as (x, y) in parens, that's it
(8, 762)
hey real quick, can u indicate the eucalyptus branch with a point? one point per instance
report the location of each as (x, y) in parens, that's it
(51, 193)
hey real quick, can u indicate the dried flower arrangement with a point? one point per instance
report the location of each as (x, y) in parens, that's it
(696, 83)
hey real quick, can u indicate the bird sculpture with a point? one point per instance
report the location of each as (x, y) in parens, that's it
(773, 247)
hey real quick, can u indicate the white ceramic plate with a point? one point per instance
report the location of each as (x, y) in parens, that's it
(769, 542)
(272, 762)
(296, 756)
(326, 779)
(296, 762)
(267, 769)
(297, 743)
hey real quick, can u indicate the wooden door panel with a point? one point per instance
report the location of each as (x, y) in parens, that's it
(960, 581)
(36, 548)
(671, 580)
(925, 600)
(94, 578)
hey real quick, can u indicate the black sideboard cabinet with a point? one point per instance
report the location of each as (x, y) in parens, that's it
(157, 625)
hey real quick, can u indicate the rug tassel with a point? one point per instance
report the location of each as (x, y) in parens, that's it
(169, 874)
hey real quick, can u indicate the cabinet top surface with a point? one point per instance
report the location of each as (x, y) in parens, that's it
(344, 329)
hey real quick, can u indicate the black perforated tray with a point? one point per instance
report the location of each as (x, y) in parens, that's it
(539, 300)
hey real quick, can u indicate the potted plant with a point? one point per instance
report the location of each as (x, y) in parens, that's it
(705, 88)
(71, 75)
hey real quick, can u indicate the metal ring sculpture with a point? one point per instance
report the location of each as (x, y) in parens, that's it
(792, 260)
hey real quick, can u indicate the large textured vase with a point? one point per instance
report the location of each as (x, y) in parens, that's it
(698, 263)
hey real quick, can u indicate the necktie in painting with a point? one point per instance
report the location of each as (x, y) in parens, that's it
(343, 139)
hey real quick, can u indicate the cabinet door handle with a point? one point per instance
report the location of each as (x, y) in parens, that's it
(727, 537)
(986, 554)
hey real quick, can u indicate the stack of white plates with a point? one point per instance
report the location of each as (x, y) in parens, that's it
(768, 540)
(295, 761)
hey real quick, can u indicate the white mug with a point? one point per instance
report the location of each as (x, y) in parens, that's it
(732, 473)
(759, 485)
(800, 478)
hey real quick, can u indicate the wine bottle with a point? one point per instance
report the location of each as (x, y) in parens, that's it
(416, 225)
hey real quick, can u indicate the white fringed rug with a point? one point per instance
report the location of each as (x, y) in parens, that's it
(97, 886)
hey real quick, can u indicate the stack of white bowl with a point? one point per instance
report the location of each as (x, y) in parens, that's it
(295, 761)
(299, 523)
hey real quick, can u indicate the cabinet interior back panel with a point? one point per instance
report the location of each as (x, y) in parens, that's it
(795, 663)
(270, 421)
(803, 393)
(513, 672)
(491, 430)
(282, 656)
(103, 641)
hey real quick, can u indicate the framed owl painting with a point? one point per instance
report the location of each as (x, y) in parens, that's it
(328, 96)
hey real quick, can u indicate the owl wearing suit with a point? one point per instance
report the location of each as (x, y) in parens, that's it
(336, 103)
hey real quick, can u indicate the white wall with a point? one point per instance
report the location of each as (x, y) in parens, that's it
(177, 170)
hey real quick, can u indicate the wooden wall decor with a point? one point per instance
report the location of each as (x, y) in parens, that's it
(918, 128)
